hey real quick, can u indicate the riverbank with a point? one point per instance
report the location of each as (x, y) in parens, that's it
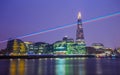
(44, 56)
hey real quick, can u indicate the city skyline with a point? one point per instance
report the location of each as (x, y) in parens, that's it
(17, 20)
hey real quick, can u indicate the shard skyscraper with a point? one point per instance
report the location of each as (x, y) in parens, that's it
(79, 32)
(80, 41)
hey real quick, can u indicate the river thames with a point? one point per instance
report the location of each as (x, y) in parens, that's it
(60, 66)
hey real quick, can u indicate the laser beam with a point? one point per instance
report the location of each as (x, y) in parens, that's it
(101, 17)
(49, 30)
(66, 26)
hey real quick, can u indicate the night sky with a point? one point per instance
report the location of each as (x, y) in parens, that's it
(23, 17)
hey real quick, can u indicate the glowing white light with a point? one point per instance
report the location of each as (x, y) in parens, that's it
(79, 15)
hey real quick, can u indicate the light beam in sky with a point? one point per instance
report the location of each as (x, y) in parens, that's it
(66, 26)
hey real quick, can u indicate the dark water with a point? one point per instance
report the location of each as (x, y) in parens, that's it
(60, 66)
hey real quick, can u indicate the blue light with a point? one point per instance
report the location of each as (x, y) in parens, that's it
(48, 30)
(102, 17)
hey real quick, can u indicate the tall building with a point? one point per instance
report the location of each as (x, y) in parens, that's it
(79, 32)
(80, 42)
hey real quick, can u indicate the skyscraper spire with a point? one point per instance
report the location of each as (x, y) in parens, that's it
(79, 32)
(79, 15)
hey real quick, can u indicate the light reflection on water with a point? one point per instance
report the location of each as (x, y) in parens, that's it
(17, 67)
(98, 67)
(60, 66)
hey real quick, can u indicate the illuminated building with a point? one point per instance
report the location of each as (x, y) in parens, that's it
(30, 49)
(16, 46)
(69, 45)
(80, 42)
(108, 51)
(27, 44)
(39, 48)
(118, 50)
(99, 47)
(65, 46)
(79, 32)
(59, 47)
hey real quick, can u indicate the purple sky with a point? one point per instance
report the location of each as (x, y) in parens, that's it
(21, 17)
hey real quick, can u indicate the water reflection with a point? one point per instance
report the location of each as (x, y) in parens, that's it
(70, 66)
(17, 66)
(98, 67)
(40, 67)
(4, 67)
(82, 67)
(60, 66)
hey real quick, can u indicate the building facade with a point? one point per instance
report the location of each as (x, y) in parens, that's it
(16, 46)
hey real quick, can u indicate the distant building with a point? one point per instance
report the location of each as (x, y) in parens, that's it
(108, 51)
(80, 42)
(30, 49)
(118, 50)
(27, 44)
(66, 39)
(39, 48)
(59, 47)
(99, 47)
(16, 46)
(69, 45)
(91, 50)
(65, 46)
